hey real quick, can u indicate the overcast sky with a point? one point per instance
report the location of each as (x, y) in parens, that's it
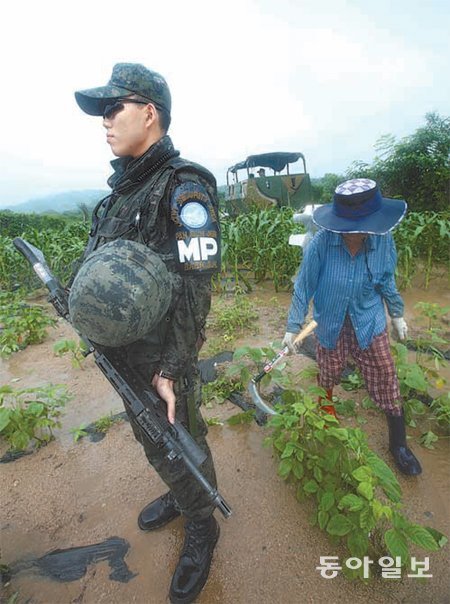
(324, 77)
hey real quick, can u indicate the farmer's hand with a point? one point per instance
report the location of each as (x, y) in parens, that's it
(400, 327)
(288, 341)
(164, 387)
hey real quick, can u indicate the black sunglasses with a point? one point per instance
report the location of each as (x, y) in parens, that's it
(110, 110)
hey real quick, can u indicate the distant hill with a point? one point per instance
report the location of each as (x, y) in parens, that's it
(68, 201)
(59, 202)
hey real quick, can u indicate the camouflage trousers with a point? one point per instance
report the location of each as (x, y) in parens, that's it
(192, 500)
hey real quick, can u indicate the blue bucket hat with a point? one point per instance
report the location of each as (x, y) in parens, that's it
(359, 207)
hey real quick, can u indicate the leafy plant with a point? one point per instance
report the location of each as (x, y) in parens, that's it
(78, 432)
(29, 415)
(427, 438)
(76, 350)
(352, 381)
(219, 390)
(357, 496)
(21, 324)
(232, 318)
(418, 380)
(213, 421)
(440, 408)
(103, 424)
(249, 361)
(246, 417)
(431, 340)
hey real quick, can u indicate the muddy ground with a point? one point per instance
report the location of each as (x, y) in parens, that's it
(72, 495)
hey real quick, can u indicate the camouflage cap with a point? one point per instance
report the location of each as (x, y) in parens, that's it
(126, 79)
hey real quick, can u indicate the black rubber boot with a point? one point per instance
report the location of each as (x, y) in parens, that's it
(158, 513)
(193, 567)
(405, 459)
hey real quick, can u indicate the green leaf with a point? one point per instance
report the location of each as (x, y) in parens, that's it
(299, 454)
(362, 474)
(365, 489)
(246, 417)
(299, 408)
(322, 518)
(330, 458)
(383, 472)
(4, 417)
(366, 519)
(6, 390)
(241, 352)
(297, 469)
(427, 438)
(339, 433)
(311, 486)
(358, 543)
(20, 440)
(318, 474)
(396, 544)
(440, 539)
(284, 469)
(415, 379)
(339, 525)
(326, 501)
(288, 450)
(36, 408)
(420, 536)
(351, 502)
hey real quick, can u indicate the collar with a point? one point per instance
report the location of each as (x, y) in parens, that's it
(129, 172)
(336, 239)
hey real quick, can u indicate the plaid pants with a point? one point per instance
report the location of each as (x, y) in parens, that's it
(375, 363)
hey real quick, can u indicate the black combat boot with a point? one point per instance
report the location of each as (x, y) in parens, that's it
(403, 456)
(193, 567)
(158, 513)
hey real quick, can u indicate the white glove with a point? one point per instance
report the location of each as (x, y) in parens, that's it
(288, 341)
(400, 327)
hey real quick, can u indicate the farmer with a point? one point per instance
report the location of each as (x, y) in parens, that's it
(169, 205)
(348, 272)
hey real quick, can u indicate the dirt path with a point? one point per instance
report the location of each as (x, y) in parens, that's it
(70, 495)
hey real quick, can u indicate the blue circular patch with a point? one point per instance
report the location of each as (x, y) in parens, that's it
(194, 215)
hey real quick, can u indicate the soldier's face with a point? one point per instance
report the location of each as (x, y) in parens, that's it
(127, 130)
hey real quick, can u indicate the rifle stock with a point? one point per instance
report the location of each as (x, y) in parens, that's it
(139, 398)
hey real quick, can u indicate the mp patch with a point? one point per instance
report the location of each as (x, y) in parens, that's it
(197, 233)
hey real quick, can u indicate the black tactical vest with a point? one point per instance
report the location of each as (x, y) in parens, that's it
(138, 207)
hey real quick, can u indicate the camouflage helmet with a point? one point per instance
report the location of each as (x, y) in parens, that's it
(121, 292)
(126, 79)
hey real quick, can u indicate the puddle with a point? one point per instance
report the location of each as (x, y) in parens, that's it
(71, 564)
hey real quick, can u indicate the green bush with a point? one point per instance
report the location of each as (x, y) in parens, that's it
(357, 496)
(21, 323)
(29, 415)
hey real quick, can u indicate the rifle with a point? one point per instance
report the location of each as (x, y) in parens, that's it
(140, 399)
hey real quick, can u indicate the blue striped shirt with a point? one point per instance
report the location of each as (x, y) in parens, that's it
(339, 283)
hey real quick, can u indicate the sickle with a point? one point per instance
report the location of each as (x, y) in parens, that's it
(253, 385)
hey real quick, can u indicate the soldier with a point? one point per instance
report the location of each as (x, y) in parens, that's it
(349, 271)
(169, 205)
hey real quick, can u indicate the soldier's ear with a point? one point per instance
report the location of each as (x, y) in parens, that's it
(152, 114)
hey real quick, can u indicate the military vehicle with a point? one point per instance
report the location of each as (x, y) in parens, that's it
(250, 184)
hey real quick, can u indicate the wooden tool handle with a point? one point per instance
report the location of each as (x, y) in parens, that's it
(305, 332)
